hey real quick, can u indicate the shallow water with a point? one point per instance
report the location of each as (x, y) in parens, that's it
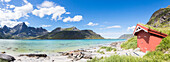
(47, 46)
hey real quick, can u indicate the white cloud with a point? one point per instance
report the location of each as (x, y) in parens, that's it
(116, 26)
(67, 13)
(15, 14)
(92, 24)
(49, 9)
(46, 25)
(76, 18)
(46, 4)
(131, 28)
(12, 6)
(6, 0)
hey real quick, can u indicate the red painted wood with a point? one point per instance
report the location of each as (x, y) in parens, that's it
(147, 41)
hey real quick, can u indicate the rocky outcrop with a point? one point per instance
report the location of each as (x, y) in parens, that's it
(70, 33)
(77, 54)
(126, 36)
(160, 18)
(6, 58)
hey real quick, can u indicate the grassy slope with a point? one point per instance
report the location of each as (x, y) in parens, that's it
(117, 58)
(155, 20)
(131, 43)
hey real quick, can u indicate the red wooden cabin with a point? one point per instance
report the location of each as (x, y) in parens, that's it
(147, 39)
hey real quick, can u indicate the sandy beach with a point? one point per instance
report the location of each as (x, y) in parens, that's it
(79, 55)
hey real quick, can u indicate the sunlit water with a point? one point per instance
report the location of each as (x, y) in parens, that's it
(48, 46)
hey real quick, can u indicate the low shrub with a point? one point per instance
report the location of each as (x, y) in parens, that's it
(164, 45)
(108, 48)
(2, 60)
(102, 52)
(103, 47)
(130, 44)
(159, 55)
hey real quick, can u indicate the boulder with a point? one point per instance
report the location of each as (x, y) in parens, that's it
(7, 57)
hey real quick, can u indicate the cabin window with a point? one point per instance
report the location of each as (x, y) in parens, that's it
(145, 36)
(139, 27)
(139, 36)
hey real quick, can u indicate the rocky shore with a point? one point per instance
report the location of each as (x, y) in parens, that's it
(79, 55)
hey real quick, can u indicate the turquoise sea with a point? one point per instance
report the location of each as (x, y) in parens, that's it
(36, 46)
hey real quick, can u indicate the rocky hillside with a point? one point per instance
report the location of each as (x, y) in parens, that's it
(160, 18)
(126, 36)
(70, 33)
(21, 31)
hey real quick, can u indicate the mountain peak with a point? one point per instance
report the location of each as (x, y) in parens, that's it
(72, 29)
(5, 26)
(22, 24)
(5, 29)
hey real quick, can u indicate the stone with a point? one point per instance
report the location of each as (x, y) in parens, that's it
(34, 55)
(7, 57)
(3, 52)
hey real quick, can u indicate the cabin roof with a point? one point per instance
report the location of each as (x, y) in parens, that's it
(139, 27)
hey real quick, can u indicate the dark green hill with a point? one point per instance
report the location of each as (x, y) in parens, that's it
(71, 33)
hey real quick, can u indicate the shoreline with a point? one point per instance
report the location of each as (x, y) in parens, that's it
(77, 55)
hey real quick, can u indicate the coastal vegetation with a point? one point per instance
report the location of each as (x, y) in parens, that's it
(2, 60)
(117, 58)
(108, 48)
(130, 44)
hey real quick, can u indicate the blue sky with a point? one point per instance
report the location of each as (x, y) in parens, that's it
(110, 18)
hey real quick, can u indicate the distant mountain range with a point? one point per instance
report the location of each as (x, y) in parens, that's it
(22, 31)
(70, 33)
(126, 36)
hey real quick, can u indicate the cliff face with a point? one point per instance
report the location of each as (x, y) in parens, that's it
(160, 18)
(70, 33)
(21, 31)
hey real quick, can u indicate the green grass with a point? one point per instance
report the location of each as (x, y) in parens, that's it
(117, 58)
(101, 52)
(103, 47)
(164, 45)
(108, 48)
(159, 55)
(2, 60)
(130, 44)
